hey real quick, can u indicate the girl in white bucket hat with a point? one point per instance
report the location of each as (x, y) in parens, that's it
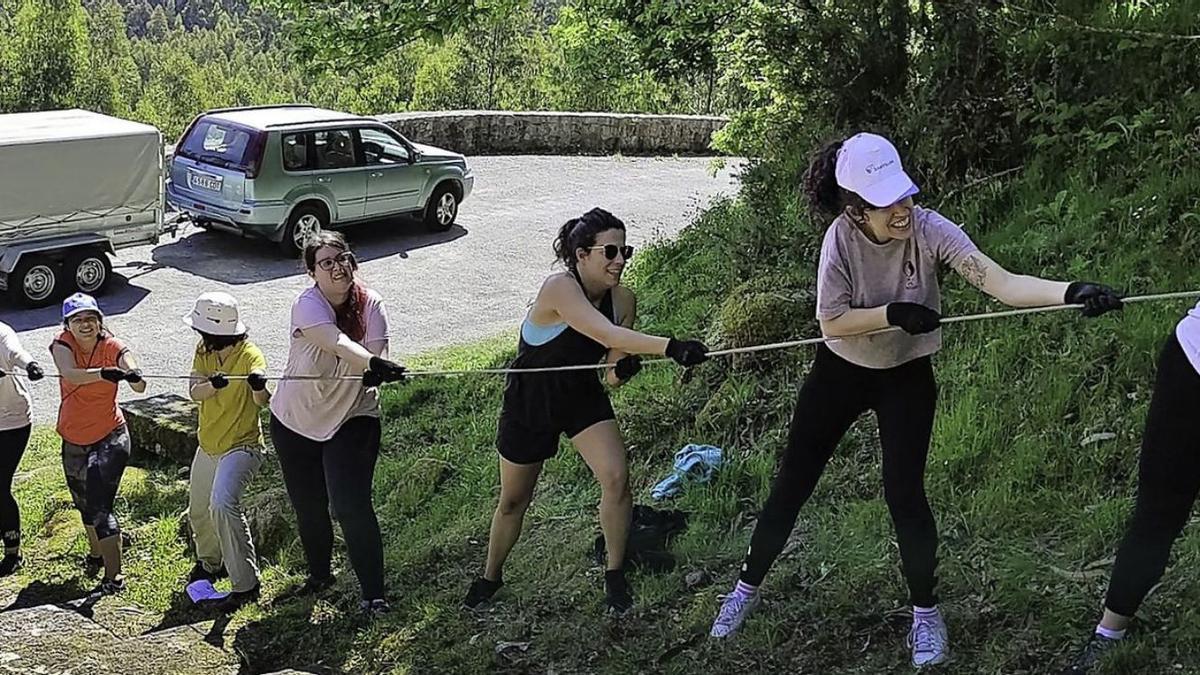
(231, 442)
(878, 269)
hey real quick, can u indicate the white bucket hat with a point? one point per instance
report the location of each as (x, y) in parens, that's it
(216, 313)
(869, 166)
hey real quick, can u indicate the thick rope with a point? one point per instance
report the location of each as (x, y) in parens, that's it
(721, 352)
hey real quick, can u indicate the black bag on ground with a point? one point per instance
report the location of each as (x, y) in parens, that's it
(649, 534)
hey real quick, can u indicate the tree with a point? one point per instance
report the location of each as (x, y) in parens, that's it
(158, 25)
(50, 54)
(347, 32)
(115, 83)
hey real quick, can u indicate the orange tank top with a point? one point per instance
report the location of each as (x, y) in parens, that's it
(89, 412)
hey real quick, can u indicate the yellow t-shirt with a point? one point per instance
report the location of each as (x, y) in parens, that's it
(229, 419)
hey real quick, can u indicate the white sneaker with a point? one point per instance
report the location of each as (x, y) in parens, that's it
(929, 640)
(735, 607)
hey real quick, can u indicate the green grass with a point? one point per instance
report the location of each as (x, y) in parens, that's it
(1028, 517)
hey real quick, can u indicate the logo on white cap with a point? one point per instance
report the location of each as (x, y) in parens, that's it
(869, 166)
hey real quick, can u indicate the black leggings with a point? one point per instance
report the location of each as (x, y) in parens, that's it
(12, 447)
(1168, 481)
(339, 470)
(831, 399)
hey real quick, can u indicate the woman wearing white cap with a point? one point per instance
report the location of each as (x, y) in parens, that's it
(878, 269)
(95, 442)
(231, 442)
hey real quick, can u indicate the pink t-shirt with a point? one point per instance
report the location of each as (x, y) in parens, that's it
(856, 273)
(316, 409)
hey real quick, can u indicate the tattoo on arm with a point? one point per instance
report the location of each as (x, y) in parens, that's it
(973, 270)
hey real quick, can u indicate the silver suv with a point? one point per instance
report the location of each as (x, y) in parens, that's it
(284, 173)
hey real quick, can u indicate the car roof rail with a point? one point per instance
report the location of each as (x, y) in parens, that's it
(330, 120)
(261, 107)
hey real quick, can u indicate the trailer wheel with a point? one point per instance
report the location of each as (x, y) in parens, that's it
(35, 282)
(89, 269)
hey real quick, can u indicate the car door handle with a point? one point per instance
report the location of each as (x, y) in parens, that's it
(324, 179)
(376, 174)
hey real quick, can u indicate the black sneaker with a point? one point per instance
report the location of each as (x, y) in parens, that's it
(1091, 655)
(617, 593)
(373, 609)
(112, 586)
(311, 586)
(10, 564)
(92, 564)
(199, 571)
(236, 600)
(481, 591)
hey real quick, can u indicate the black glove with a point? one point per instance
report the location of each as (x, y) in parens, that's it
(114, 375)
(34, 371)
(134, 376)
(687, 353)
(1095, 298)
(218, 380)
(388, 371)
(627, 367)
(372, 378)
(257, 381)
(913, 318)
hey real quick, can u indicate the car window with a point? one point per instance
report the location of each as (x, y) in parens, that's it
(222, 144)
(295, 151)
(381, 148)
(334, 149)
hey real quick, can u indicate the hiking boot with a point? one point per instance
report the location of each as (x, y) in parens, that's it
(929, 640)
(618, 596)
(1090, 656)
(199, 571)
(481, 591)
(112, 586)
(374, 609)
(10, 564)
(236, 600)
(735, 607)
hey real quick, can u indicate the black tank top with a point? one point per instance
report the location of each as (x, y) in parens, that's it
(539, 398)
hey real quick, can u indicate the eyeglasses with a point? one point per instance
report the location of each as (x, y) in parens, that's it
(611, 250)
(345, 259)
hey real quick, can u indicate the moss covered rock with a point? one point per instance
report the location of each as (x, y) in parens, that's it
(764, 310)
(162, 426)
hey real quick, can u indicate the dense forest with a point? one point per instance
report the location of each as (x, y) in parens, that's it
(162, 61)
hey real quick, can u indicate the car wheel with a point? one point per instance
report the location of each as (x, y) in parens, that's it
(304, 223)
(441, 209)
(88, 270)
(35, 282)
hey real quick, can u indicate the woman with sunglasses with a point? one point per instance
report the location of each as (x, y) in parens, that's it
(91, 364)
(325, 425)
(579, 318)
(878, 269)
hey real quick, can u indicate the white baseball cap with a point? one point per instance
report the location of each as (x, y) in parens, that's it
(216, 313)
(869, 166)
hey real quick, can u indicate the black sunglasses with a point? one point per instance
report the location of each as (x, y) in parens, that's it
(611, 250)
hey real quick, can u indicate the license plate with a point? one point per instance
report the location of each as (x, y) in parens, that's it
(204, 181)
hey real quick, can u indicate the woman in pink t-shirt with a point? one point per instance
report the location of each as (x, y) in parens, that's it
(325, 425)
(878, 269)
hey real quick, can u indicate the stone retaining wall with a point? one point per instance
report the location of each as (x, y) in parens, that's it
(473, 132)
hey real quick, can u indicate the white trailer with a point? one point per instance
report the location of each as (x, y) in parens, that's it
(75, 186)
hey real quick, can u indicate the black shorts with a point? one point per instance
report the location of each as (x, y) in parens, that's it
(524, 442)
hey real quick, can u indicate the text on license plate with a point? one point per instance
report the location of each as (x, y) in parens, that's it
(204, 182)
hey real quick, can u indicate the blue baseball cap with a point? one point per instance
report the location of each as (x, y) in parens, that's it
(79, 302)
